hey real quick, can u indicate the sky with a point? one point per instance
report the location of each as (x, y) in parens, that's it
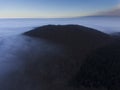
(53, 8)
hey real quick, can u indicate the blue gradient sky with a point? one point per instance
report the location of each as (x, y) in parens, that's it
(52, 8)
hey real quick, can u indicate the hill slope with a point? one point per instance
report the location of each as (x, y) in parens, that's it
(101, 68)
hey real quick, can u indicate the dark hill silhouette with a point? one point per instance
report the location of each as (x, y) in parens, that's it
(67, 33)
(101, 68)
(77, 40)
(59, 66)
(74, 36)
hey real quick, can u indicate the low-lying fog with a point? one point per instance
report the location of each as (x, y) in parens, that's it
(15, 49)
(16, 26)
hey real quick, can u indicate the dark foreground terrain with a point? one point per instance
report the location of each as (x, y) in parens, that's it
(59, 57)
(101, 68)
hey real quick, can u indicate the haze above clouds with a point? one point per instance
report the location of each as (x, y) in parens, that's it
(115, 11)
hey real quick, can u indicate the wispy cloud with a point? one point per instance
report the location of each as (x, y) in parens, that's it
(114, 11)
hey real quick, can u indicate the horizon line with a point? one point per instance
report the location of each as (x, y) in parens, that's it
(55, 17)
